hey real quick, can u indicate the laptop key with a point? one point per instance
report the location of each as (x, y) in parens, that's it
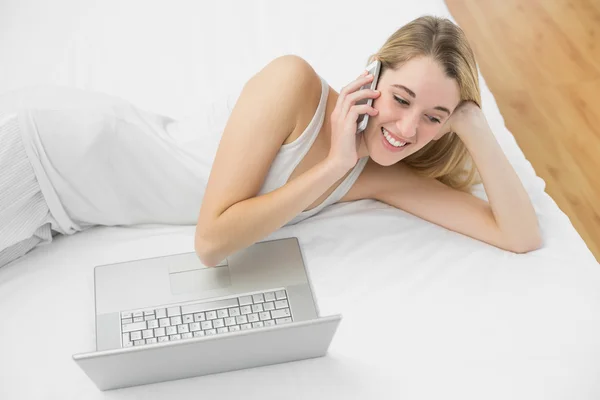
(148, 333)
(126, 315)
(176, 320)
(210, 332)
(281, 304)
(269, 306)
(269, 322)
(195, 326)
(245, 300)
(253, 317)
(269, 296)
(223, 330)
(222, 313)
(283, 320)
(280, 295)
(257, 308)
(138, 319)
(175, 337)
(258, 298)
(187, 335)
(136, 326)
(234, 312)
(234, 328)
(163, 339)
(127, 321)
(264, 315)
(199, 317)
(163, 322)
(246, 310)
(245, 327)
(229, 321)
(206, 325)
(159, 332)
(211, 315)
(218, 323)
(281, 313)
(153, 324)
(188, 318)
(171, 330)
(161, 313)
(198, 333)
(139, 342)
(173, 311)
(209, 305)
(151, 341)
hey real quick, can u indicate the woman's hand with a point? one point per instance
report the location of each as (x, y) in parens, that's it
(465, 119)
(344, 140)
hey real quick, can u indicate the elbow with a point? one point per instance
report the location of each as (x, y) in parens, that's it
(527, 244)
(204, 251)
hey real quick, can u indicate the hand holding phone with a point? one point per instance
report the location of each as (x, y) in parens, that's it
(350, 104)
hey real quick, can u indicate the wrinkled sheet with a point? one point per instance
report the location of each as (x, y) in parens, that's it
(428, 313)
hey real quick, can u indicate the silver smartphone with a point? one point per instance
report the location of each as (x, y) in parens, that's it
(363, 119)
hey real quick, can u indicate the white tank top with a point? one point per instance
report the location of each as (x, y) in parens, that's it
(290, 155)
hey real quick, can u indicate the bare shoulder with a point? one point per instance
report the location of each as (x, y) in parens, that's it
(304, 85)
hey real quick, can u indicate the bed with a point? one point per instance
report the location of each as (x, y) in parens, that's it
(427, 313)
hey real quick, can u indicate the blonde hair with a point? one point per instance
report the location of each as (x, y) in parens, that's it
(446, 159)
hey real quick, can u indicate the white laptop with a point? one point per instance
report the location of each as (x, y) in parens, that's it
(172, 317)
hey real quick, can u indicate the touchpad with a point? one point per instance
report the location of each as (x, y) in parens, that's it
(200, 279)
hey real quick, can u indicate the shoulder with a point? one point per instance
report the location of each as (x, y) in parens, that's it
(294, 84)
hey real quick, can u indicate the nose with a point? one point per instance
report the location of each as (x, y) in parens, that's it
(407, 124)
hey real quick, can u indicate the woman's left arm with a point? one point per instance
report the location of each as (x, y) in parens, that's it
(507, 220)
(510, 203)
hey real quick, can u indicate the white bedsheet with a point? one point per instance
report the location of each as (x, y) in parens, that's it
(428, 314)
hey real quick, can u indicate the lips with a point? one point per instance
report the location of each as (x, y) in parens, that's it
(396, 137)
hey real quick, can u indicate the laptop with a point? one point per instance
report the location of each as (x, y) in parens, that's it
(171, 317)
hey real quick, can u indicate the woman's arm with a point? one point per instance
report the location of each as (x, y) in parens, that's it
(232, 216)
(510, 203)
(508, 221)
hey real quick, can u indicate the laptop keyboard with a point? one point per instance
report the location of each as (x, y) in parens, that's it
(205, 318)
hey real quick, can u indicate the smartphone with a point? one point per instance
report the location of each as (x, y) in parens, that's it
(363, 119)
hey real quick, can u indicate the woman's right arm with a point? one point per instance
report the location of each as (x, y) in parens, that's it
(231, 216)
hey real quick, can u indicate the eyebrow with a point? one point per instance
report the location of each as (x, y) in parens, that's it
(414, 96)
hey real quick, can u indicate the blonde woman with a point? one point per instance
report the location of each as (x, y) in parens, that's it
(73, 159)
(289, 148)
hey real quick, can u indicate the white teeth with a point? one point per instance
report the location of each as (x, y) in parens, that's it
(391, 140)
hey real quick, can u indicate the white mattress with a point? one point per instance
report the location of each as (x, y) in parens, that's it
(428, 313)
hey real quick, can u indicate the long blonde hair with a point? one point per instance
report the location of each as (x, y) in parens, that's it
(446, 159)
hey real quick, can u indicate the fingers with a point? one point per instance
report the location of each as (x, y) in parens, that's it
(356, 110)
(352, 87)
(353, 98)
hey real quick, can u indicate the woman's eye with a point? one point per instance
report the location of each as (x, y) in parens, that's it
(401, 101)
(433, 119)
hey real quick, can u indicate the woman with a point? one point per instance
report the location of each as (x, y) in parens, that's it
(74, 159)
(424, 124)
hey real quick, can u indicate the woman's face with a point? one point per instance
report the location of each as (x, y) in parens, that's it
(415, 101)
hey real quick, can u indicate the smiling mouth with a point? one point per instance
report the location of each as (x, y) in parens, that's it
(393, 142)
